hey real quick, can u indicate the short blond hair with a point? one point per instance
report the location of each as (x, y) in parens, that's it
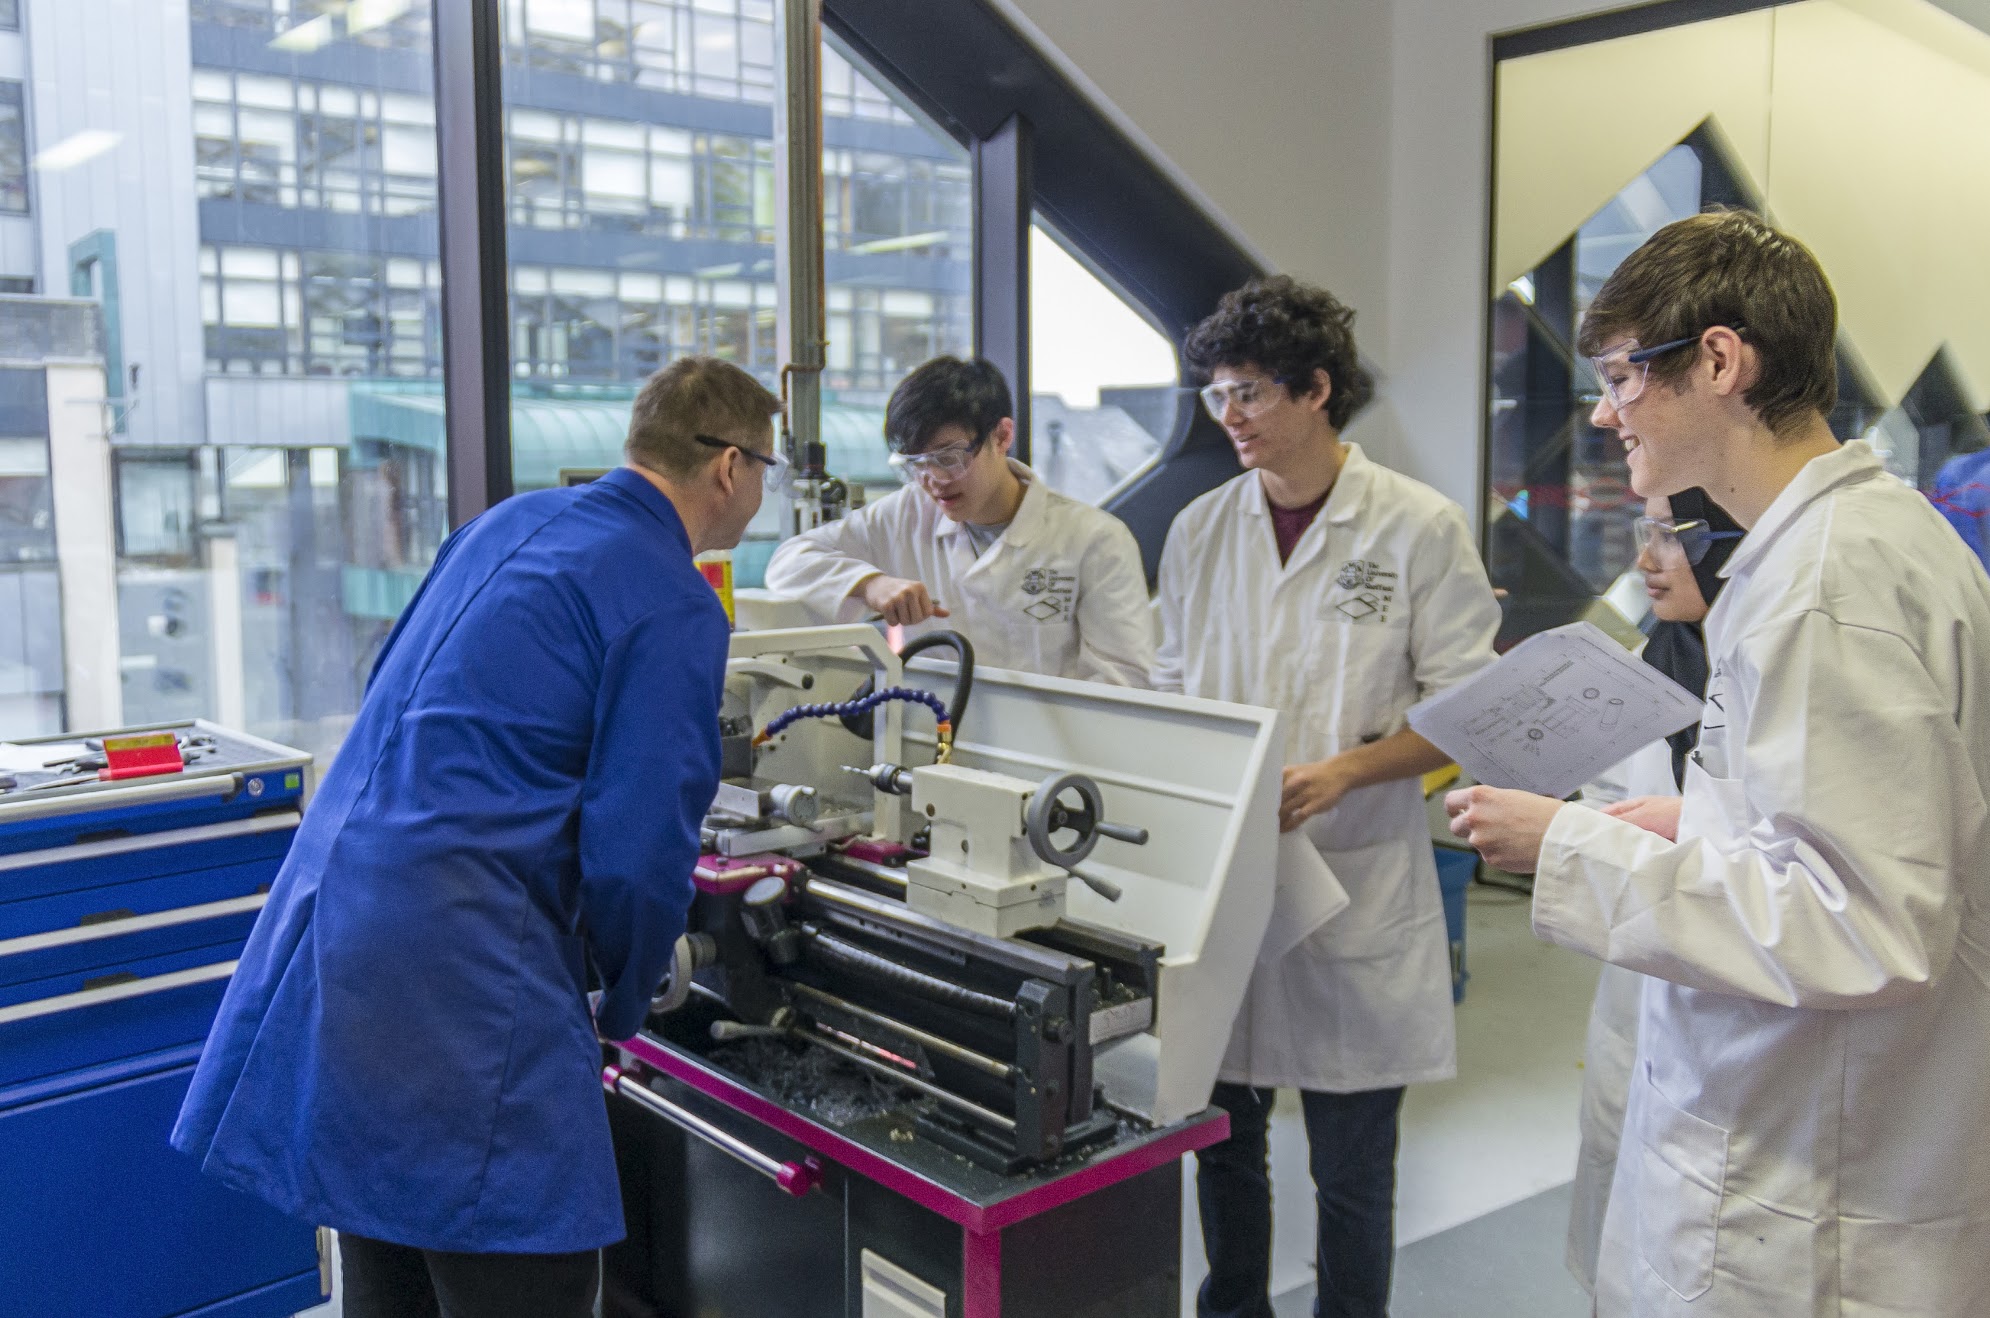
(690, 397)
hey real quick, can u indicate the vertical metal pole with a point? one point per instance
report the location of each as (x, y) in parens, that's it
(798, 273)
(1003, 191)
(476, 312)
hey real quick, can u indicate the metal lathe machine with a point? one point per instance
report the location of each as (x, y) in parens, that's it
(963, 961)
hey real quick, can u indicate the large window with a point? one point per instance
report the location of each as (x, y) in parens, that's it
(715, 49)
(13, 151)
(642, 228)
(30, 642)
(228, 525)
(281, 141)
(1104, 382)
(237, 517)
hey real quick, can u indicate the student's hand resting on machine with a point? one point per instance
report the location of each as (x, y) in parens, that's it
(1654, 814)
(898, 601)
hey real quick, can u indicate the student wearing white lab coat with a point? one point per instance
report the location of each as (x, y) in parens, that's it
(1683, 542)
(1808, 1130)
(1340, 592)
(976, 542)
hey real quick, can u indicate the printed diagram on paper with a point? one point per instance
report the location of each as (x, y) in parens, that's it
(1555, 712)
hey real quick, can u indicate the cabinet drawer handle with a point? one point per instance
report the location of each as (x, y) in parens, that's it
(131, 988)
(132, 924)
(797, 1178)
(179, 789)
(128, 843)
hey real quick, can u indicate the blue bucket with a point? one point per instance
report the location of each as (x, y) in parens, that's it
(1454, 875)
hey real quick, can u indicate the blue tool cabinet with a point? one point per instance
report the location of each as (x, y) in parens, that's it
(123, 907)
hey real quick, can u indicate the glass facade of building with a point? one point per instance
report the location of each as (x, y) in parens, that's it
(226, 517)
(261, 555)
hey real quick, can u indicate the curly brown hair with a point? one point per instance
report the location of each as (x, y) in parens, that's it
(1289, 330)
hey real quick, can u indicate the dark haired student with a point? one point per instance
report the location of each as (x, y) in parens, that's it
(1337, 590)
(978, 543)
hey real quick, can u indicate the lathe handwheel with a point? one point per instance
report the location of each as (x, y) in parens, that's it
(1045, 816)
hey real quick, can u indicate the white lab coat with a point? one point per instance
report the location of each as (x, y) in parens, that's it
(1808, 1130)
(1383, 602)
(1060, 592)
(1610, 1043)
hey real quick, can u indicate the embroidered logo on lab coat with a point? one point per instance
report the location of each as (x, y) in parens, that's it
(1050, 594)
(1371, 590)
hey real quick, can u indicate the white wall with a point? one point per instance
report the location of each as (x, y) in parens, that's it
(1272, 113)
(1345, 142)
(1439, 101)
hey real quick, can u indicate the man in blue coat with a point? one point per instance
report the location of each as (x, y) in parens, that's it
(405, 1053)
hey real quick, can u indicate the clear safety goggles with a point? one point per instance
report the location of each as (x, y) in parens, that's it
(1622, 372)
(1670, 542)
(773, 466)
(945, 464)
(1249, 397)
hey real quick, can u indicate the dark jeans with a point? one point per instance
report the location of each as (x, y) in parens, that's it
(396, 1281)
(1351, 1146)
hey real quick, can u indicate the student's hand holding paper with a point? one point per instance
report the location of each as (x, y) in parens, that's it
(1503, 825)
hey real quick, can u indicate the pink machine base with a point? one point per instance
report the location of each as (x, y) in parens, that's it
(1100, 1234)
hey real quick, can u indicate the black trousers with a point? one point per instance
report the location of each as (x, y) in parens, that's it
(397, 1281)
(1351, 1149)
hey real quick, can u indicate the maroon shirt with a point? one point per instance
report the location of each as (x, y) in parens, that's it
(1288, 524)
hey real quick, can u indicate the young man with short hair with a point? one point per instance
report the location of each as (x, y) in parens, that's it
(1808, 1130)
(1341, 592)
(405, 1051)
(978, 543)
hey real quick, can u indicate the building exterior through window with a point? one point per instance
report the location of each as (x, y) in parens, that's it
(267, 431)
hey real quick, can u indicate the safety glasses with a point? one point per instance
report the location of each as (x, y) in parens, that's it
(773, 469)
(1622, 372)
(947, 464)
(1249, 397)
(1673, 541)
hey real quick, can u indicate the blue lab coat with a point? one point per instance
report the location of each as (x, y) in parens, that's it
(405, 1050)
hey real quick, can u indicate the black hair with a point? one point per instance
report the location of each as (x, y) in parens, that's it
(1288, 329)
(946, 391)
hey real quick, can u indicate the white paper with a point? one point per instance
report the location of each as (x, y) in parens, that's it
(16, 758)
(1304, 895)
(1556, 710)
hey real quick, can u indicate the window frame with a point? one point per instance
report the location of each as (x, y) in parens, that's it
(968, 69)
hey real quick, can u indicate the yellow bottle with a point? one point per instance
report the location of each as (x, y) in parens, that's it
(716, 564)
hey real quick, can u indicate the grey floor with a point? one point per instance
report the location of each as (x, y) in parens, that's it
(1507, 1264)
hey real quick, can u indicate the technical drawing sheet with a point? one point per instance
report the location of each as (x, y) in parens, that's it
(1555, 711)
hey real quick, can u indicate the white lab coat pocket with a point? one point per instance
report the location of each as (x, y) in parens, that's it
(1715, 809)
(1682, 1176)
